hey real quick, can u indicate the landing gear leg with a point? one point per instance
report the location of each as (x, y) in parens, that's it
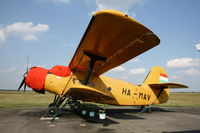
(54, 101)
(53, 107)
(61, 109)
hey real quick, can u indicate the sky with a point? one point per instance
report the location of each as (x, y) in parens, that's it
(49, 31)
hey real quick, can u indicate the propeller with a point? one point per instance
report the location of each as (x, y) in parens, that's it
(25, 75)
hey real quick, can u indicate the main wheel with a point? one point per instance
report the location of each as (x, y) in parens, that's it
(52, 110)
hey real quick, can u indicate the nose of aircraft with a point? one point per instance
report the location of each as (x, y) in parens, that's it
(35, 79)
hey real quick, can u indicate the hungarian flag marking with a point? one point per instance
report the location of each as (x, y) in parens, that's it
(163, 78)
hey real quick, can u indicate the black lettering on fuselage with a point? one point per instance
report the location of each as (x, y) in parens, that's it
(141, 95)
(148, 97)
(129, 92)
(126, 92)
(144, 96)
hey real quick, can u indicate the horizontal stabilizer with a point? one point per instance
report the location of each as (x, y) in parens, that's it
(167, 85)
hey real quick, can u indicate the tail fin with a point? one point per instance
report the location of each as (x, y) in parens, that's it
(157, 78)
(156, 75)
(158, 81)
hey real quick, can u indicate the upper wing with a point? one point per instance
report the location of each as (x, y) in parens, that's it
(115, 37)
(167, 85)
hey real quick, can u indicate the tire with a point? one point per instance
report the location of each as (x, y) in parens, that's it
(52, 110)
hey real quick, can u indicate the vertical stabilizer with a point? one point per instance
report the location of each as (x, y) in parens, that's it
(158, 82)
(156, 75)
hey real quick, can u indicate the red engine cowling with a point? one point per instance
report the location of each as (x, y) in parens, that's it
(62, 71)
(36, 76)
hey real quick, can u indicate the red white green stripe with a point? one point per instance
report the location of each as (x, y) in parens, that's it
(163, 78)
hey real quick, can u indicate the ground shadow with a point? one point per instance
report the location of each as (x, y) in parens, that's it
(123, 113)
(95, 119)
(157, 109)
(188, 131)
(116, 113)
(131, 113)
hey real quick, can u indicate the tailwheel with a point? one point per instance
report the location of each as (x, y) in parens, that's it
(149, 110)
(142, 107)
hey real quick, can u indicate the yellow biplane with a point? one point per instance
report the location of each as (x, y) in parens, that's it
(111, 39)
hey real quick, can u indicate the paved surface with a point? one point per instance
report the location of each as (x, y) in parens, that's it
(119, 120)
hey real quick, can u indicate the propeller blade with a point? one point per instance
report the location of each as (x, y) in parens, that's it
(26, 73)
(24, 87)
(23, 81)
(27, 68)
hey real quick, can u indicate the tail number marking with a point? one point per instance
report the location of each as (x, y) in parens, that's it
(126, 92)
(144, 96)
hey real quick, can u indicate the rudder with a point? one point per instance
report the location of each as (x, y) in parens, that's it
(156, 75)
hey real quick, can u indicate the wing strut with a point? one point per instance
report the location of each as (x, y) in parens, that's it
(93, 59)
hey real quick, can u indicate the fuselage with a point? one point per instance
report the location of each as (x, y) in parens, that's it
(124, 93)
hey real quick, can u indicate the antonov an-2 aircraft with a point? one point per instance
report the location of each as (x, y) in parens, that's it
(111, 39)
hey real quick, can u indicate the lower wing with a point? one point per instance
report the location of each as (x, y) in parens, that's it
(86, 93)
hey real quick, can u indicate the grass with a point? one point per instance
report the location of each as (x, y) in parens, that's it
(27, 99)
(32, 99)
(182, 100)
